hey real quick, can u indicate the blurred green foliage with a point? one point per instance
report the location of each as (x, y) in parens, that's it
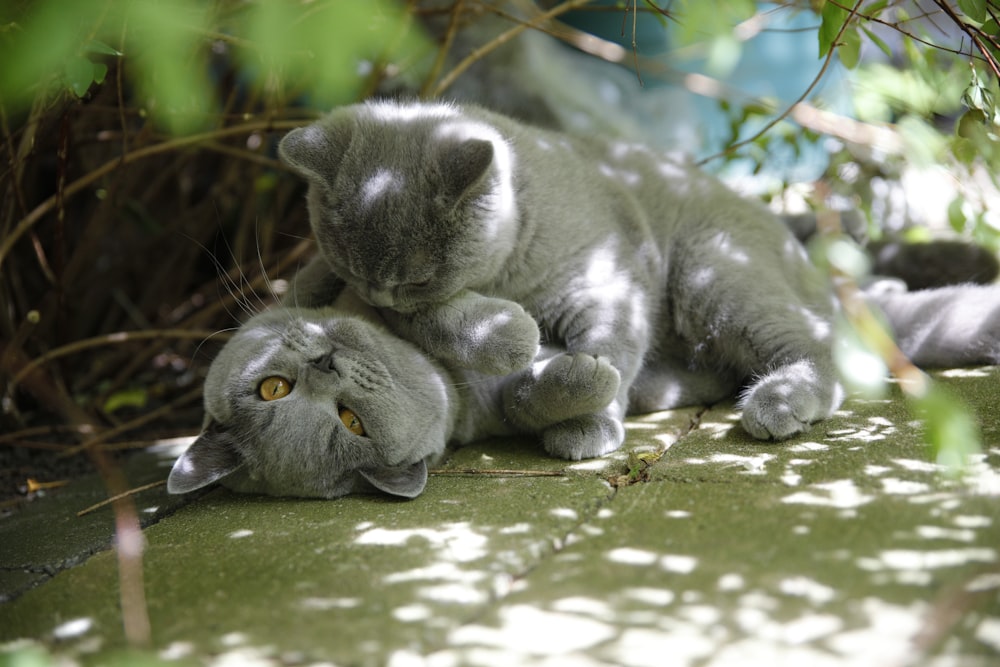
(286, 48)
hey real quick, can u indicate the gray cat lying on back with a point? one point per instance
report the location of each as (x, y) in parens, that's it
(322, 402)
(691, 291)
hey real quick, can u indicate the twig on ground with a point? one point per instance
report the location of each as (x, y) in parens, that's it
(124, 494)
(495, 472)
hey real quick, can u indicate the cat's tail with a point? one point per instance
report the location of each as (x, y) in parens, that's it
(944, 327)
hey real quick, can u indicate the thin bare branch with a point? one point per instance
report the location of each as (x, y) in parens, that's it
(494, 44)
(139, 421)
(116, 338)
(442, 54)
(79, 184)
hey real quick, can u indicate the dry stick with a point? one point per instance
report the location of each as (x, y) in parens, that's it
(973, 34)
(635, 46)
(32, 431)
(917, 38)
(141, 420)
(129, 534)
(79, 184)
(496, 472)
(100, 341)
(124, 494)
(912, 381)
(784, 114)
(493, 44)
(442, 54)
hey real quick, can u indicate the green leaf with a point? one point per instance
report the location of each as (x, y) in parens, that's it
(850, 48)
(173, 80)
(723, 54)
(970, 125)
(79, 73)
(974, 9)
(97, 46)
(126, 398)
(879, 42)
(43, 44)
(100, 71)
(875, 8)
(977, 95)
(832, 19)
(324, 48)
(952, 432)
(956, 216)
(862, 370)
(848, 258)
(924, 143)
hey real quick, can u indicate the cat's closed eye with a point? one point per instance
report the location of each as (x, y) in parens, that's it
(274, 387)
(351, 421)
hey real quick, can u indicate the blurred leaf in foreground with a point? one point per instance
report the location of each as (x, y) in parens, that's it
(951, 430)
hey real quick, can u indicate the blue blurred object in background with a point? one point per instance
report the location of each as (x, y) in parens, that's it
(774, 57)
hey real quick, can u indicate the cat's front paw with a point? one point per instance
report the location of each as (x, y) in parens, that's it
(474, 332)
(502, 342)
(584, 437)
(788, 401)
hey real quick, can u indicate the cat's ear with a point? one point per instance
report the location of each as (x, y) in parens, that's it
(210, 458)
(463, 164)
(405, 481)
(315, 151)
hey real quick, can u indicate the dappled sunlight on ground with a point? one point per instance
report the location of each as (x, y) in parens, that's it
(844, 546)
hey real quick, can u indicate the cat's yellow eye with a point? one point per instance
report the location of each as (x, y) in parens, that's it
(274, 387)
(351, 421)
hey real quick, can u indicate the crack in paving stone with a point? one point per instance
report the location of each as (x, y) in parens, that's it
(640, 464)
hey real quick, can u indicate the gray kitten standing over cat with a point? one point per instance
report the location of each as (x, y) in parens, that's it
(690, 290)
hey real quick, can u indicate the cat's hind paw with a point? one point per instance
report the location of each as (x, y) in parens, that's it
(565, 386)
(584, 437)
(576, 384)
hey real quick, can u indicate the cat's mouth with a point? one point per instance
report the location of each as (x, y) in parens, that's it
(397, 306)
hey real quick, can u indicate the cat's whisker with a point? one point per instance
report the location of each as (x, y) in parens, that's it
(263, 272)
(232, 289)
(205, 340)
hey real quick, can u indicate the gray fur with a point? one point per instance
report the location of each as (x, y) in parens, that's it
(410, 405)
(617, 251)
(949, 326)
